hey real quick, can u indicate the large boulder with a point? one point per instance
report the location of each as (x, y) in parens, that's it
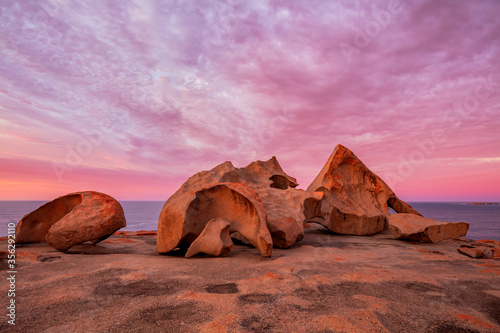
(284, 203)
(355, 200)
(418, 228)
(282, 211)
(72, 219)
(187, 212)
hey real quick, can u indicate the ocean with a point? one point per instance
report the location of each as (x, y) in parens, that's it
(143, 215)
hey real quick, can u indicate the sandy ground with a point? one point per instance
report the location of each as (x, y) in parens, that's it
(325, 283)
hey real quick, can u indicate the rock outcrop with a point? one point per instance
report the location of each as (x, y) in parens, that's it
(72, 219)
(266, 186)
(354, 201)
(213, 240)
(284, 204)
(485, 249)
(187, 212)
(418, 228)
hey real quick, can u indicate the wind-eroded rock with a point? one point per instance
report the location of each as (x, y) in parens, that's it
(284, 204)
(280, 205)
(72, 219)
(213, 240)
(418, 228)
(186, 213)
(355, 200)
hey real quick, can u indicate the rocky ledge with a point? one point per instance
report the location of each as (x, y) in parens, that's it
(325, 283)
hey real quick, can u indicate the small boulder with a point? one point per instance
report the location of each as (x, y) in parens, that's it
(418, 228)
(475, 251)
(213, 240)
(72, 219)
(485, 248)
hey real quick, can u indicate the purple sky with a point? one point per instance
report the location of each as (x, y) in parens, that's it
(131, 98)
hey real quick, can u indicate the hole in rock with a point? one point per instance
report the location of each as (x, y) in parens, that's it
(221, 201)
(281, 182)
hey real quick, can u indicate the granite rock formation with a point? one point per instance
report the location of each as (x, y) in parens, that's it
(418, 228)
(354, 201)
(284, 203)
(187, 212)
(213, 240)
(267, 187)
(476, 251)
(483, 249)
(72, 219)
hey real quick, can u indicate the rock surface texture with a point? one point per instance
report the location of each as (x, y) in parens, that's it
(354, 200)
(213, 240)
(284, 204)
(260, 203)
(326, 283)
(72, 219)
(418, 228)
(485, 249)
(187, 212)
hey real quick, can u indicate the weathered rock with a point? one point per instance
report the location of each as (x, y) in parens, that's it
(283, 204)
(475, 252)
(355, 200)
(187, 212)
(418, 228)
(485, 248)
(493, 244)
(72, 219)
(213, 240)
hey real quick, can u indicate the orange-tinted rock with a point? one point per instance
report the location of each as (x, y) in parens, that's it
(72, 219)
(485, 248)
(355, 200)
(187, 212)
(283, 205)
(470, 251)
(213, 240)
(493, 244)
(418, 228)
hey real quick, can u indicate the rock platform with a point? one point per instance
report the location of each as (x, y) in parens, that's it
(325, 283)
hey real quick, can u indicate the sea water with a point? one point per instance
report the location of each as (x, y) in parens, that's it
(143, 215)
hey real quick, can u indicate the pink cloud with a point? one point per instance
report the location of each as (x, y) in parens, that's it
(169, 89)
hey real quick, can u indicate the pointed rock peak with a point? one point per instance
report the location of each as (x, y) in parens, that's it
(341, 155)
(225, 165)
(356, 200)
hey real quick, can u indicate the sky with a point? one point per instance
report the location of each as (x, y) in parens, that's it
(131, 98)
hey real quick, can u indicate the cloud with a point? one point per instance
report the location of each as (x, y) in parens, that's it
(175, 87)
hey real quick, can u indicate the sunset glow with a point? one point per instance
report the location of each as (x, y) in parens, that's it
(131, 98)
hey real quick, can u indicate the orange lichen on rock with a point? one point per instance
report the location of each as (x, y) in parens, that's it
(27, 256)
(474, 321)
(222, 324)
(491, 271)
